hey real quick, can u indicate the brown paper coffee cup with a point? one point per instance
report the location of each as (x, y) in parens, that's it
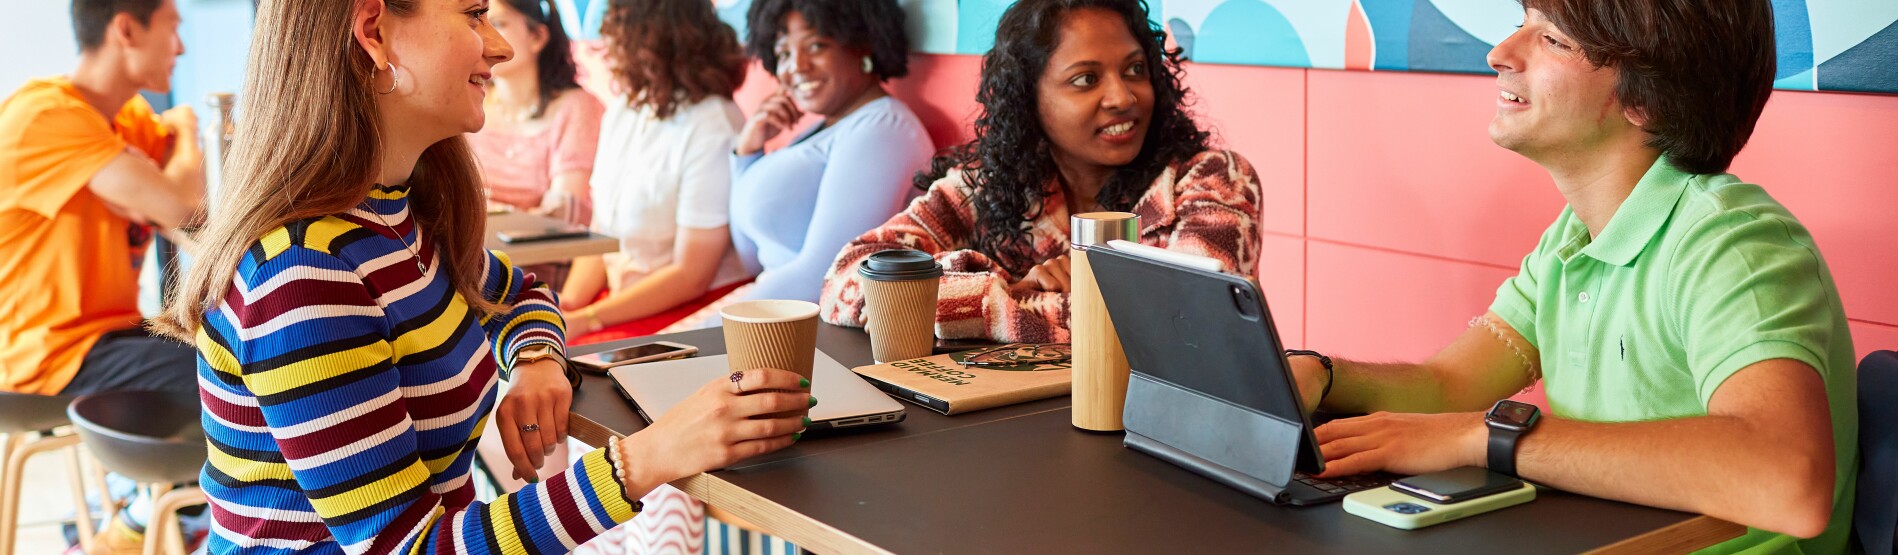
(901, 318)
(771, 334)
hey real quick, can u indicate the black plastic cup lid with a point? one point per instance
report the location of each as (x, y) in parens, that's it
(900, 265)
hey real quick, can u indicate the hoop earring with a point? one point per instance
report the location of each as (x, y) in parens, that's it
(395, 78)
(868, 66)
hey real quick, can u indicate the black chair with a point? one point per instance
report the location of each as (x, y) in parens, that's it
(33, 425)
(1875, 516)
(154, 438)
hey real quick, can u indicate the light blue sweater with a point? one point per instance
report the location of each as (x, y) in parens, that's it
(792, 210)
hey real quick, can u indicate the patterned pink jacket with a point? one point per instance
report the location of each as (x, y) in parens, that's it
(1206, 205)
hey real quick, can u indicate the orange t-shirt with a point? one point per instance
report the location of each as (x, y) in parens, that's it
(68, 264)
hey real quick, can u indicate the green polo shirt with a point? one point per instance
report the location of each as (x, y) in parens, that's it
(1694, 278)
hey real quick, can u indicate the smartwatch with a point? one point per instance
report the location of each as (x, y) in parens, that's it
(1508, 421)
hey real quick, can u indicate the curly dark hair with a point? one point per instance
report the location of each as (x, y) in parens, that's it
(1011, 150)
(875, 26)
(557, 74)
(668, 53)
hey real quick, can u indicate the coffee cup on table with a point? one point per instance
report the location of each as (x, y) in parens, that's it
(771, 334)
(899, 303)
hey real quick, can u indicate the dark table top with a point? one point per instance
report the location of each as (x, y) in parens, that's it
(1021, 479)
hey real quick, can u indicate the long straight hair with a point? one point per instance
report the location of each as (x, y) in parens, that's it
(309, 145)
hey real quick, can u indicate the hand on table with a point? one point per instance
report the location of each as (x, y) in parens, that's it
(539, 395)
(1402, 443)
(1051, 276)
(719, 425)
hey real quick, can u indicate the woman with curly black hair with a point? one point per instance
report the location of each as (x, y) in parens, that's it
(793, 208)
(1083, 110)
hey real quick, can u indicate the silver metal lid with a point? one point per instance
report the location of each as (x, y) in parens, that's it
(1097, 228)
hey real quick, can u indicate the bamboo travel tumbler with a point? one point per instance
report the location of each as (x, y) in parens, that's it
(1100, 368)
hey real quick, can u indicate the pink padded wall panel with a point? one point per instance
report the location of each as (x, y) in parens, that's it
(1403, 161)
(1385, 306)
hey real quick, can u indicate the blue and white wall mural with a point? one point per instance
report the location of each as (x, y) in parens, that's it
(1834, 45)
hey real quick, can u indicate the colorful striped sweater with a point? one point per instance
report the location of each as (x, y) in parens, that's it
(344, 392)
(1206, 205)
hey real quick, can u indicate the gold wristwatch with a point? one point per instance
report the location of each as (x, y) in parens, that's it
(536, 353)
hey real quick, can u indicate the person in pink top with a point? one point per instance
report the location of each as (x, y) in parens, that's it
(536, 153)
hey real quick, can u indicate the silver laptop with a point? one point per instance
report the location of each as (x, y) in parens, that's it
(844, 399)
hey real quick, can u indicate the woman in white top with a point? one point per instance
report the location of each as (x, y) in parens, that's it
(662, 177)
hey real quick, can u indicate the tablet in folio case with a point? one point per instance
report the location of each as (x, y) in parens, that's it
(1209, 389)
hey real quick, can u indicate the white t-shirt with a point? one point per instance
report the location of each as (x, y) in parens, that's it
(653, 176)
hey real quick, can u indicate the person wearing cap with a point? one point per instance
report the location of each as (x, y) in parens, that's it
(1082, 110)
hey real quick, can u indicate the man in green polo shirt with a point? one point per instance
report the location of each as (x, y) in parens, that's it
(1686, 330)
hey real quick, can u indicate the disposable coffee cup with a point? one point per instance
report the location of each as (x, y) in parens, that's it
(899, 303)
(771, 334)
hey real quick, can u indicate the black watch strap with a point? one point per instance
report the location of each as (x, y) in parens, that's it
(1502, 450)
(1330, 376)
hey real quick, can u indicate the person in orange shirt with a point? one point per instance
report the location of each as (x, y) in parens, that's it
(87, 173)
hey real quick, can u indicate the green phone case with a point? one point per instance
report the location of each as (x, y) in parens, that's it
(1381, 505)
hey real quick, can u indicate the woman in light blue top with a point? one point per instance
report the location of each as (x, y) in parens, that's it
(793, 209)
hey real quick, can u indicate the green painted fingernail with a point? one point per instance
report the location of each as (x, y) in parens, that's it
(807, 421)
(803, 383)
(797, 436)
(534, 480)
(813, 401)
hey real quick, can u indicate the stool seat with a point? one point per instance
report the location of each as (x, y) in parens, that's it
(152, 437)
(22, 412)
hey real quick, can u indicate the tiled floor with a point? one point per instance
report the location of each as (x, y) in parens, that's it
(45, 500)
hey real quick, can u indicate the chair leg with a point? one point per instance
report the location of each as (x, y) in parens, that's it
(108, 507)
(164, 520)
(18, 452)
(82, 514)
(9, 499)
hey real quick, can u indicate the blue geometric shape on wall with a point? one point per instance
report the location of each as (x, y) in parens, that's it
(1871, 66)
(1438, 44)
(1183, 36)
(1390, 31)
(1792, 35)
(734, 16)
(1249, 32)
(975, 24)
(1801, 82)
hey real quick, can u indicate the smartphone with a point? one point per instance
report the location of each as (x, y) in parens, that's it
(644, 352)
(1400, 510)
(566, 231)
(1456, 485)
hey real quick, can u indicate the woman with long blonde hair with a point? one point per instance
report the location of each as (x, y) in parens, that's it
(351, 330)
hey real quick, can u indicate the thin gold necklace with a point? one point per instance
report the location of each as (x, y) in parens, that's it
(419, 266)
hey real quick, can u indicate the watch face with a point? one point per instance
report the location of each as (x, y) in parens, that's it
(1513, 414)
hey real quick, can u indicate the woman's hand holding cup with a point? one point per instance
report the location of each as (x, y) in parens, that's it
(718, 426)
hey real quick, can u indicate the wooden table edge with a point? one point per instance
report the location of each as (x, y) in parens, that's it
(768, 516)
(1682, 537)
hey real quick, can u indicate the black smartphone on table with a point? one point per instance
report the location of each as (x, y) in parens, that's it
(550, 233)
(1457, 485)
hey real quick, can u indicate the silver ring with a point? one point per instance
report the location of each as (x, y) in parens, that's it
(530, 428)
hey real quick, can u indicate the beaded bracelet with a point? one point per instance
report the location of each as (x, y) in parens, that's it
(614, 460)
